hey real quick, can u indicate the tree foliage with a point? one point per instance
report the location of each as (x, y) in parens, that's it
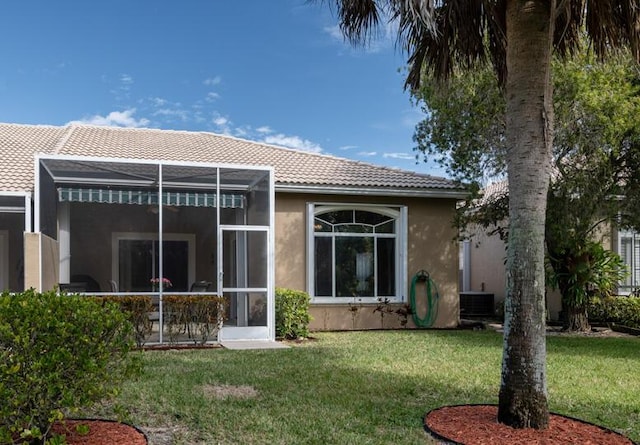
(596, 162)
(518, 38)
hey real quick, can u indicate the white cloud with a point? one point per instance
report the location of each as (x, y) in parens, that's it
(158, 101)
(220, 121)
(402, 156)
(115, 119)
(168, 112)
(126, 79)
(348, 147)
(242, 132)
(265, 129)
(212, 81)
(293, 142)
(334, 32)
(368, 153)
(211, 96)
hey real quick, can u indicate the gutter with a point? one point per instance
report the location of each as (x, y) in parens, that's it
(454, 193)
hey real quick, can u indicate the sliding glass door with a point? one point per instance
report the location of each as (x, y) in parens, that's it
(139, 262)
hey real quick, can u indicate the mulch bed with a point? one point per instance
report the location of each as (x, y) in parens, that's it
(101, 432)
(478, 425)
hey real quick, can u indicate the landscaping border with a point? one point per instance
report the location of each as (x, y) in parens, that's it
(448, 441)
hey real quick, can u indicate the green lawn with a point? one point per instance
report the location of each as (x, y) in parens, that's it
(367, 387)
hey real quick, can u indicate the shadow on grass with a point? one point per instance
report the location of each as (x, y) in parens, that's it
(606, 347)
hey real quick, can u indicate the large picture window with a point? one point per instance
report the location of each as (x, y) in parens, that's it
(629, 250)
(356, 252)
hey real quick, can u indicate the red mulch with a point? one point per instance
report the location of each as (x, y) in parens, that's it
(101, 432)
(478, 425)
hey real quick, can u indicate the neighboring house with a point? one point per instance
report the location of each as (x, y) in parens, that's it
(482, 260)
(81, 205)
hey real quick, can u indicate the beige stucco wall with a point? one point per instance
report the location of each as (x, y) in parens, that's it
(41, 262)
(32, 261)
(430, 246)
(487, 259)
(487, 264)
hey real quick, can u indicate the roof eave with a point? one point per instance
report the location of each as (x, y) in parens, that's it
(454, 193)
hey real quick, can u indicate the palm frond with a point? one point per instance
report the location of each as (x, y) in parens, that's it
(359, 19)
(613, 24)
(453, 35)
(497, 37)
(568, 27)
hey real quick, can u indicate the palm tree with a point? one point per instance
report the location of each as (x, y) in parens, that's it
(517, 37)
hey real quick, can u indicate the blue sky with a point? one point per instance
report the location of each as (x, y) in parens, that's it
(275, 71)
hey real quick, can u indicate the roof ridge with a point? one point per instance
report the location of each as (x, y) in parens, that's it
(263, 144)
(68, 130)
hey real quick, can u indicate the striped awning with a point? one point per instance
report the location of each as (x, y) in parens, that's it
(148, 197)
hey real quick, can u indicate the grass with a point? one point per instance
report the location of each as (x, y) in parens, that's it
(368, 387)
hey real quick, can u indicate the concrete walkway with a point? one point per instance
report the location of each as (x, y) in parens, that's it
(253, 344)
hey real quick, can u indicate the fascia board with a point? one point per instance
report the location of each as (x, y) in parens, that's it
(372, 191)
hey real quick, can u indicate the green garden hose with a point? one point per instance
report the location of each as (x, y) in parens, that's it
(431, 297)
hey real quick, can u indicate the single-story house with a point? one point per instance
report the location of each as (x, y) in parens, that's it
(113, 210)
(483, 257)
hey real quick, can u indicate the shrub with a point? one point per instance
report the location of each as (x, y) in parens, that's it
(201, 317)
(292, 313)
(137, 308)
(620, 310)
(58, 353)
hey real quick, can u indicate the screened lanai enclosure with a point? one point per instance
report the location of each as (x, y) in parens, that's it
(163, 230)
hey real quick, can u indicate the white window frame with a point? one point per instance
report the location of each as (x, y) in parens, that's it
(398, 212)
(634, 269)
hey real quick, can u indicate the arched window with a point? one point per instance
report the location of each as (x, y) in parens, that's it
(356, 252)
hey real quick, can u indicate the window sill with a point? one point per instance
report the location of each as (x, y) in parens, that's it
(356, 301)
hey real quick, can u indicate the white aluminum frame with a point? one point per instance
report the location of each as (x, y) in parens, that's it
(635, 239)
(397, 211)
(249, 333)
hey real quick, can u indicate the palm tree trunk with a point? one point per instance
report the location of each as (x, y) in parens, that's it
(576, 318)
(523, 389)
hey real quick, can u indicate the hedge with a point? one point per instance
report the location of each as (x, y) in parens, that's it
(619, 310)
(58, 353)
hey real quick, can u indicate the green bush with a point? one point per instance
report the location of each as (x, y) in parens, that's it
(619, 310)
(200, 317)
(58, 353)
(292, 313)
(138, 309)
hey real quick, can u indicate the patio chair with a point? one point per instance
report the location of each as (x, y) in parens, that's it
(200, 286)
(90, 284)
(72, 288)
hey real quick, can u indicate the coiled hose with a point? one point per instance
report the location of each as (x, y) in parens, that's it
(431, 296)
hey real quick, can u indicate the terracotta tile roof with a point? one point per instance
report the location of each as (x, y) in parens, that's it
(18, 144)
